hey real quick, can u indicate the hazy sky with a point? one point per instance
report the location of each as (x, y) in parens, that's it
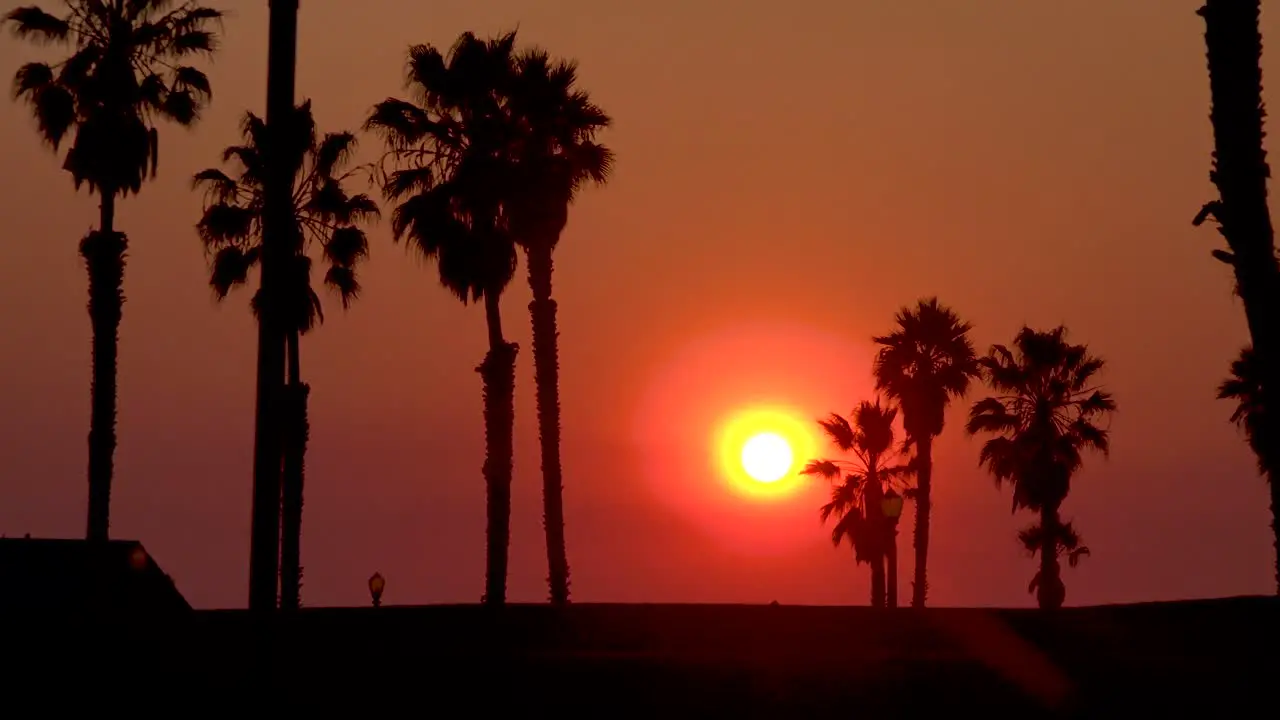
(789, 175)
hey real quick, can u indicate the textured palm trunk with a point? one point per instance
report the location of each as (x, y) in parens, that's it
(924, 504)
(264, 552)
(877, 581)
(498, 373)
(1240, 173)
(875, 519)
(1051, 592)
(296, 433)
(546, 363)
(104, 253)
(891, 559)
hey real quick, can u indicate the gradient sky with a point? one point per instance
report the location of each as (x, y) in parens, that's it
(789, 175)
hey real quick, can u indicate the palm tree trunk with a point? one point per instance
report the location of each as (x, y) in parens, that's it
(1234, 45)
(874, 515)
(104, 254)
(546, 363)
(1273, 480)
(264, 553)
(891, 558)
(498, 373)
(1051, 592)
(877, 581)
(296, 432)
(924, 504)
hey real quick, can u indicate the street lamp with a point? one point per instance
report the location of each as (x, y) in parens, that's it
(377, 584)
(891, 505)
(891, 508)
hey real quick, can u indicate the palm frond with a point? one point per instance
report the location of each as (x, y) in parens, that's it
(822, 468)
(195, 42)
(32, 78)
(334, 152)
(839, 431)
(29, 22)
(224, 224)
(230, 268)
(194, 81)
(346, 247)
(217, 184)
(1076, 555)
(401, 123)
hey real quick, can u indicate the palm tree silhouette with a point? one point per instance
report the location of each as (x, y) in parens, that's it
(922, 365)
(1240, 172)
(858, 486)
(1062, 540)
(556, 157)
(1251, 415)
(128, 70)
(1245, 388)
(1044, 417)
(325, 216)
(452, 175)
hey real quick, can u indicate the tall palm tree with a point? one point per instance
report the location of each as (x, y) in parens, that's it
(1240, 172)
(557, 155)
(922, 365)
(452, 174)
(858, 486)
(129, 69)
(270, 395)
(325, 216)
(1044, 417)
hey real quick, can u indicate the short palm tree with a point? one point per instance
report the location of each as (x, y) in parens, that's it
(128, 70)
(858, 486)
(325, 216)
(924, 363)
(452, 174)
(1251, 415)
(1044, 417)
(557, 155)
(1064, 540)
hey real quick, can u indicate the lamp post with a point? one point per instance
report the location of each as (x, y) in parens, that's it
(377, 584)
(891, 508)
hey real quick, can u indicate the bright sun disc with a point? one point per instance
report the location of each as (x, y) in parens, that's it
(767, 457)
(757, 449)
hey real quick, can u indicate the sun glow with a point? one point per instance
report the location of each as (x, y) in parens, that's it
(757, 451)
(709, 396)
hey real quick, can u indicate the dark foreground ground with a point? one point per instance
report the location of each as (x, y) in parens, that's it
(601, 661)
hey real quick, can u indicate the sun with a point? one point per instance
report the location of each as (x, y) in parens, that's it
(757, 450)
(767, 457)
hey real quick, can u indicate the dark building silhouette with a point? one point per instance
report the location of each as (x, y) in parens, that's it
(83, 577)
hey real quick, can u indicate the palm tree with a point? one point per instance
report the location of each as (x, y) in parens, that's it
(1062, 540)
(324, 216)
(1044, 417)
(128, 71)
(557, 156)
(1240, 172)
(922, 365)
(1251, 415)
(452, 173)
(859, 484)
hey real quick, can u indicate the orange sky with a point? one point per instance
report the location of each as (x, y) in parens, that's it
(786, 170)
